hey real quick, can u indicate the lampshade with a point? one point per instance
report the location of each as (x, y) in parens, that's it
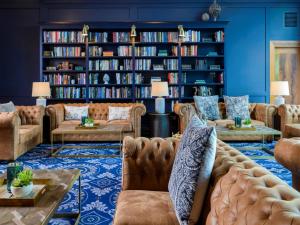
(41, 89)
(159, 89)
(280, 88)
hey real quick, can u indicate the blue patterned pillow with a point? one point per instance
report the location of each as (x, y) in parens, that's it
(237, 107)
(208, 106)
(192, 169)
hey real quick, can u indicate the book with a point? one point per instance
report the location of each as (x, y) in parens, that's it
(108, 53)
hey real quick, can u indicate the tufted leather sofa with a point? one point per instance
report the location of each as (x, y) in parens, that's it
(289, 120)
(261, 114)
(99, 112)
(20, 131)
(240, 191)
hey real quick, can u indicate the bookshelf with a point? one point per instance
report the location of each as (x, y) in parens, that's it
(76, 66)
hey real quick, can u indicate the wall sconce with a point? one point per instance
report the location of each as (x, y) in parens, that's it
(181, 34)
(85, 30)
(133, 33)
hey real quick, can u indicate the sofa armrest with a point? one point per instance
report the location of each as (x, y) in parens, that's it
(56, 114)
(265, 113)
(137, 111)
(147, 163)
(184, 111)
(288, 114)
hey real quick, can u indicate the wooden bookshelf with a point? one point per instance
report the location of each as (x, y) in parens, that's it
(75, 66)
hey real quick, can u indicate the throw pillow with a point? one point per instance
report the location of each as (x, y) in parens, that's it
(237, 107)
(118, 113)
(7, 107)
(191, 170)
(76, 112)
(208, 106)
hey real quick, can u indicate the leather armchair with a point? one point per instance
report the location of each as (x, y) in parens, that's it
(289, 120)
(20, 131)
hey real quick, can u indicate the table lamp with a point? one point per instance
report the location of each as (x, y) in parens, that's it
(279, 89)
(159, 90)
(41, 90)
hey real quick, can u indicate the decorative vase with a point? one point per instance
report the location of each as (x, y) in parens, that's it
(205, 16)
(20, 192)
(215, 10)
(13, 169)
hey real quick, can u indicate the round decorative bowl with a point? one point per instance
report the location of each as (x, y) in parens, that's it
(20, 192)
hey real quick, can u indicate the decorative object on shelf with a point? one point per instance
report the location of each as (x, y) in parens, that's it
(212, 54)
(181, 34)
(238, 122)
(215, 10)
(205, 17)
(214, 67)
(246, 123)
(41, 90)
(106, 78)
(12, 171)
(279, 89)
(159, 90)
(22, 185)
(85, 30)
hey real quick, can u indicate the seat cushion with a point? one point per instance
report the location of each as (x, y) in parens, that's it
(139, 207)
(125, 125)
(293, 130)
(28, 132)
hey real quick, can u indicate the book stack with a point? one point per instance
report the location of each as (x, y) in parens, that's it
(191, 50)
(108, 53)
(124, 51)
(143, 64)
(66, 52)
(98, 37)
(145, 51)
(186, 66)
(64, 79)
(111, 92)
(62, 37)
(171, 64)
(192, 36)
(95, 51)
(164, 52)
(219, 36)
(173, 78)
(143, 92)
(158, 36)
(120, 37)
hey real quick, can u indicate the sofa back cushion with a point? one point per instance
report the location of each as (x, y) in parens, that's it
(191, 170)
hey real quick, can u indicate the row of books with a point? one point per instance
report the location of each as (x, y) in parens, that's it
(143, 64)
(65, 52)
(158, 36)
(192, 36)
(125, 51)
(191, 50)
(143, 92)
(120, 37)
(120, 78)
(98, 37)
(173, 78)
(64, 79)
(62, 37)
(145, 51)
(68, 92)
(95, 51)
(171, 64)
(111, 64)
(219, 36)
(113, 92)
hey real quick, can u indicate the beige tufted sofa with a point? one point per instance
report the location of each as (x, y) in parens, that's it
(261, 114)
(20, 131)
(240, 191)
(290, 120)
(99, 112)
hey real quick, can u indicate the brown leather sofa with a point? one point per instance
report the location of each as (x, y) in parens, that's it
(99, 112)
(20, 131)
(289, 120)
(261, 114)
(240, 191)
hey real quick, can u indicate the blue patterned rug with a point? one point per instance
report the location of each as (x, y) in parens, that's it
(101, 178)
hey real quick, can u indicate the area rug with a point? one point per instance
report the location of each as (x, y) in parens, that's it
(101, 178)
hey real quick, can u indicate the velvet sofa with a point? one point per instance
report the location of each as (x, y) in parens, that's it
(20, 131)
(240, 191)
(289, 120)
(99, 112)
(261, 114)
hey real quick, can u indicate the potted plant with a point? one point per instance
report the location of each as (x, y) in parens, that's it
(247, 123)
(89, 122)
(22, 184)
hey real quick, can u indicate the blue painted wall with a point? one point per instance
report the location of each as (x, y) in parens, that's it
(252, 24)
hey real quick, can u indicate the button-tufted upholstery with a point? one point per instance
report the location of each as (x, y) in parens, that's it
(261, 114)
(290, 120)
(20, 131)
(240, 191)
(99, 112)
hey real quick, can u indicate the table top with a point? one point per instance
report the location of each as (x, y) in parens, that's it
(117, 128)
(58, 182)
(260, 130)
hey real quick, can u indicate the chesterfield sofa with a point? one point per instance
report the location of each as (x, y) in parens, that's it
(20, 131)
(99, 112)
(240, 191)
(261, 114)
(289, 120)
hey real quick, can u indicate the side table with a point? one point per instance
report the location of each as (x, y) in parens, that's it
(160, 125)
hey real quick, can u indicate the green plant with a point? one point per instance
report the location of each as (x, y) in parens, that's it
(247, 121)
(89, 120)
(24, 178)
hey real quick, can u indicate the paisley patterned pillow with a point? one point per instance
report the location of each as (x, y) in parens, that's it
(191, 170)
(208, 106)
(118, 113)
(76, 112)
(237, 107)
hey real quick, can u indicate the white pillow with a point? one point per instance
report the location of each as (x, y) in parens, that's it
(118, 113)
(76, 112)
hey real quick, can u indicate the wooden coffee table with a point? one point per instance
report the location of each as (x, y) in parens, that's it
(62, 131)
(58, 182)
